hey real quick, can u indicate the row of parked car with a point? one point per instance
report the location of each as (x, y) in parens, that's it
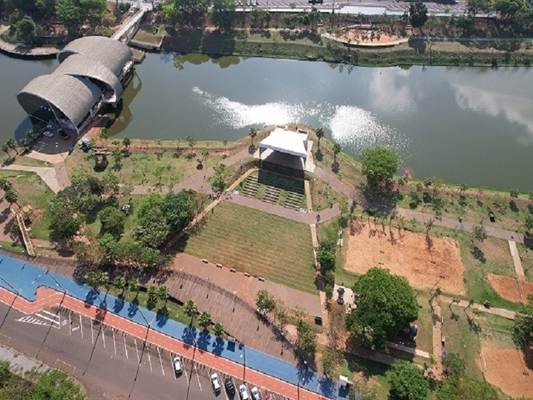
(229, 385)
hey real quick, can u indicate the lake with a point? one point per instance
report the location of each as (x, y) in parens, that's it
(471, 125)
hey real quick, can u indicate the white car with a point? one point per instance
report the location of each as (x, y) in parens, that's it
(48, 134)
(177, 366)
(243, 392)
(255, 393)
(215, 383)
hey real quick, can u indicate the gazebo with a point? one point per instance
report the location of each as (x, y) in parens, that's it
(285, 147)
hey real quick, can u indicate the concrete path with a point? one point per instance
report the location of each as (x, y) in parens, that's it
(496, 311)
(47, 174)
(518, 269)
(306, 218)
(21, 363)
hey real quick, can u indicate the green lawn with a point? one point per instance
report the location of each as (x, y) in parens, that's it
(526, 255)
(376, 372)
(32, 191)
(424, 339)
(461, 338)
(261, 244)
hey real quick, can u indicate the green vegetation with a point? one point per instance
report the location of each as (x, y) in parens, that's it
(52, 384)
(523, 326)
(385, 303)
(380, 164)
(261, 244)
(407, 382)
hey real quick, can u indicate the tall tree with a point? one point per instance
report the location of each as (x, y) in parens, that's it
(190, 309)
(336, 150)
(134, 286)
(95, 279)
(385, 303)
(71, 14)
(204, 320)
(418, 14)
(26, 30)
(264, 301)
(252, 134)
(523, 325)
(407, 382)
(11, 196)
(319, 134)
(5, 149)
(120, 283)
(223, 13)
(379, 164)
(218, 329)
(163, 293)
(112, 221)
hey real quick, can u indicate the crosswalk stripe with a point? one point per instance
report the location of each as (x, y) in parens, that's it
(49, 319)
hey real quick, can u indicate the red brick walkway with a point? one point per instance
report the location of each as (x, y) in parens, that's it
(48, 297)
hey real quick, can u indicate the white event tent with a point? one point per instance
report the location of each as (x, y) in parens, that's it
(285, 141)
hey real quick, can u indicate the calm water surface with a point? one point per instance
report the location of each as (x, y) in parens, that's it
(468, 125)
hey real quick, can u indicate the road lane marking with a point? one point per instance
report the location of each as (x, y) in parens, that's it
(114, 341)
(125, 347)
(137, 350)
(92, 333)
(198, 375)
(81, 326)
(70, 323)
(58, 361)
(102, 331)
(149, 360)
(160, 360)
(53, 321)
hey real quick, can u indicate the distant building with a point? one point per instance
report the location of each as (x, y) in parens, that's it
(92, 73)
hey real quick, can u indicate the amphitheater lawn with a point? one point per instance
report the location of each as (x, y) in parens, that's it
(262, 244)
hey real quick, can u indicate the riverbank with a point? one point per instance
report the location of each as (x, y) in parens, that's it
(309, 45)
(21, 51)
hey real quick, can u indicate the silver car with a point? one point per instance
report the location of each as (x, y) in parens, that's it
(255, 393)
(243, 392)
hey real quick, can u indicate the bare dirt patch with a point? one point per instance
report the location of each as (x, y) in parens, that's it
(368, 36)
(507, 287)
(421, 259)
(505, 367)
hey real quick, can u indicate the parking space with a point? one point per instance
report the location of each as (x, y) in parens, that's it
(150, 358)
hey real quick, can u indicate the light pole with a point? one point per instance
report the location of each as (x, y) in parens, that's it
(13, 302)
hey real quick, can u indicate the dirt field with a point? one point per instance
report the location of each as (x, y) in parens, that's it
(505, 367)
(507, 287)
(422, 260)
(367, 36)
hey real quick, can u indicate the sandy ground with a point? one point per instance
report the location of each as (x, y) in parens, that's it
(507, 287)
(422, 260)
(364, 36)
(505, 367)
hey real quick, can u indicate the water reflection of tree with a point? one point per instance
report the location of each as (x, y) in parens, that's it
(197, 59)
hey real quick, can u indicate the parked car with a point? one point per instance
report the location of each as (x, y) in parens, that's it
(64, 135)
(178, 369)
(270, 396)
(48, 134)
(215, 383)
(230, 387)
(243, 392)
(255, 393)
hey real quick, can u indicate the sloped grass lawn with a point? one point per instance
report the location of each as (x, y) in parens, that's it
(31, 190)
(276, 248)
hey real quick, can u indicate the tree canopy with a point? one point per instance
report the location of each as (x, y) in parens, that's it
(26, 30)
(379, 164)
(523, 325)
(112, 220)
(386, 304)
(418, 14)
(407, 382)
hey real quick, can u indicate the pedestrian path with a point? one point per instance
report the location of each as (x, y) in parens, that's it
(496, 311)
(29, 288)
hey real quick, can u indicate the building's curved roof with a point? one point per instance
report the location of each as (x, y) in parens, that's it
(81, 65)
(74, 97)
(111, 53)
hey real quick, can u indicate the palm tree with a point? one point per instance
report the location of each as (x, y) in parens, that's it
(134, 286)
(12, 144)
(190, 309)
(5, 184)
(319, 134)
(152, 294)
(204, 320)
(218, 329)
(24, 143)
(336, 150)
(191, 141)
(163, 293)
(253, 134)
(120, 283)
(95, 279)
(5, 149)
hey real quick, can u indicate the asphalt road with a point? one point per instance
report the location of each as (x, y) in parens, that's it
(109, 369)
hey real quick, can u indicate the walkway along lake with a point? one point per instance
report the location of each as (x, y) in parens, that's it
(470, 125)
